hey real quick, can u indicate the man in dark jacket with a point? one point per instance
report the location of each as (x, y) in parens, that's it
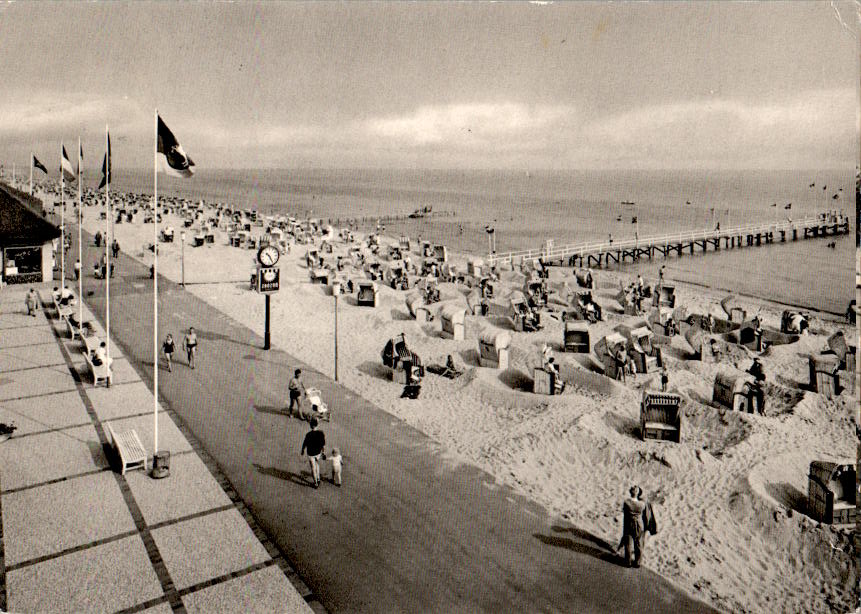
(313, 445)
(633, 527)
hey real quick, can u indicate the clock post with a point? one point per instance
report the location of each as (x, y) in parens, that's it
(268, 281)
(266, 338)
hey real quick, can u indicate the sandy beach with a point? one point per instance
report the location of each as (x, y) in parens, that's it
(729, 499)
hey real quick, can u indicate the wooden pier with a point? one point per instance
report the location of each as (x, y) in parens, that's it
(615, 252)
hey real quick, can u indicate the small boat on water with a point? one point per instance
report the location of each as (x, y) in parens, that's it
(418, 213)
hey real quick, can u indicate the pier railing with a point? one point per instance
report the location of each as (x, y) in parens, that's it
(584, 249)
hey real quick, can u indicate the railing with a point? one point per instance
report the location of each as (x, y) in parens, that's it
(583, 249)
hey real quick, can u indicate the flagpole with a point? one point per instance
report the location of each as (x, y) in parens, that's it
(31, 173)
(63, 224)
(155, 287)
(107, 241)
(80, 253)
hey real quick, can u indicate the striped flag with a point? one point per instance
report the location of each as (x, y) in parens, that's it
(39, 165)
(176, 161)
(106, 166)
(66, 167)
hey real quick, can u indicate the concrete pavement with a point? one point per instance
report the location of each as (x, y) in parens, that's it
(76, 536)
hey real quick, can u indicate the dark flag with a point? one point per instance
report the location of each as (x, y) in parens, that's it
(177, 163)
(39, 165)
(80, 158)
(106, 166)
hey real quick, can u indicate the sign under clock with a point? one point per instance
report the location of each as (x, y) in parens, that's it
(268, 279)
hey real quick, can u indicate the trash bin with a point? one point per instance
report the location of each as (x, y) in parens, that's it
(161, 465)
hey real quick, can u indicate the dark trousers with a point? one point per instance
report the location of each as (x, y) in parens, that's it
(635, 543)
(294, 398)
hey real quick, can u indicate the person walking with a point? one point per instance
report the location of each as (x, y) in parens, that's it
(313, 445)
(77, 269)
(191, 346)
(31, 302)
(115, 248)
(168, 347)
(296, 388)
(665, 379)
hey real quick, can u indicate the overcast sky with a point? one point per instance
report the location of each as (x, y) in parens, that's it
(567, 85)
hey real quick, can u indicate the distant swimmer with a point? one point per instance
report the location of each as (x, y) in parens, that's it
(833, 244)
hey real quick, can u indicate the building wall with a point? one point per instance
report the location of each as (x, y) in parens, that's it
(47, 261)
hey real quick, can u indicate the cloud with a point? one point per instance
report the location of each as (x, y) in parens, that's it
(55, 113)
(808, 128)
(467, 124)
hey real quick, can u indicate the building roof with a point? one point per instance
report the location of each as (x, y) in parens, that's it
(20, 226)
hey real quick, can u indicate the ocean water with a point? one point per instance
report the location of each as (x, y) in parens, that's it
(527, 207)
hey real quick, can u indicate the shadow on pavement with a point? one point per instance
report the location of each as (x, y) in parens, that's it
(289, 476)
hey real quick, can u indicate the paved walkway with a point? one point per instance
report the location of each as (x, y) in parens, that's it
(411, 530)
(76, 536)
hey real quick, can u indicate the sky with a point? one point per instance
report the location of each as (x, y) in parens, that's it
(690, 85)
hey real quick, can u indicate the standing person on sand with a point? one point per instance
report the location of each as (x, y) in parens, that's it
(296, 388)
(632, 527)
(191, 346)
(313, 445)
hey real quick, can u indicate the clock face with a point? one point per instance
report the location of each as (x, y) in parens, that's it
(268, 255)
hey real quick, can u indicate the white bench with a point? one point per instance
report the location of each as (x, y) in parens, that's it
(74, 331)
(99, 372)
(129, 448)
(91, 343)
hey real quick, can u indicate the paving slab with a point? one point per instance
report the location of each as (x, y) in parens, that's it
(51, 518)
(36, 414)
(20, 319)
(27, 357)
(162, 608)
(41, 380)
(208, 547)
(119, 401)
(189, 489)
(104, 578)
(27, 461)
(170, 438)
(263, 591)
(26, 336)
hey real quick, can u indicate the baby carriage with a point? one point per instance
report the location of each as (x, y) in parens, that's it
(318, 407)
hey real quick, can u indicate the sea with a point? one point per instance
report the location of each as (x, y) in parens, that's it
(525, 208)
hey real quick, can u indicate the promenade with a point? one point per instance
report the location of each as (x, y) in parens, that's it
(77, 536)
(412, 529)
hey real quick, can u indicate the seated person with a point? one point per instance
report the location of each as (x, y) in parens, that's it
(757, 371)
(66, 296)
(552, 368)
(450, 370)
(100, 356)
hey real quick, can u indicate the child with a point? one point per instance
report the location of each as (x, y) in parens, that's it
(337, 463)
(665, 379)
